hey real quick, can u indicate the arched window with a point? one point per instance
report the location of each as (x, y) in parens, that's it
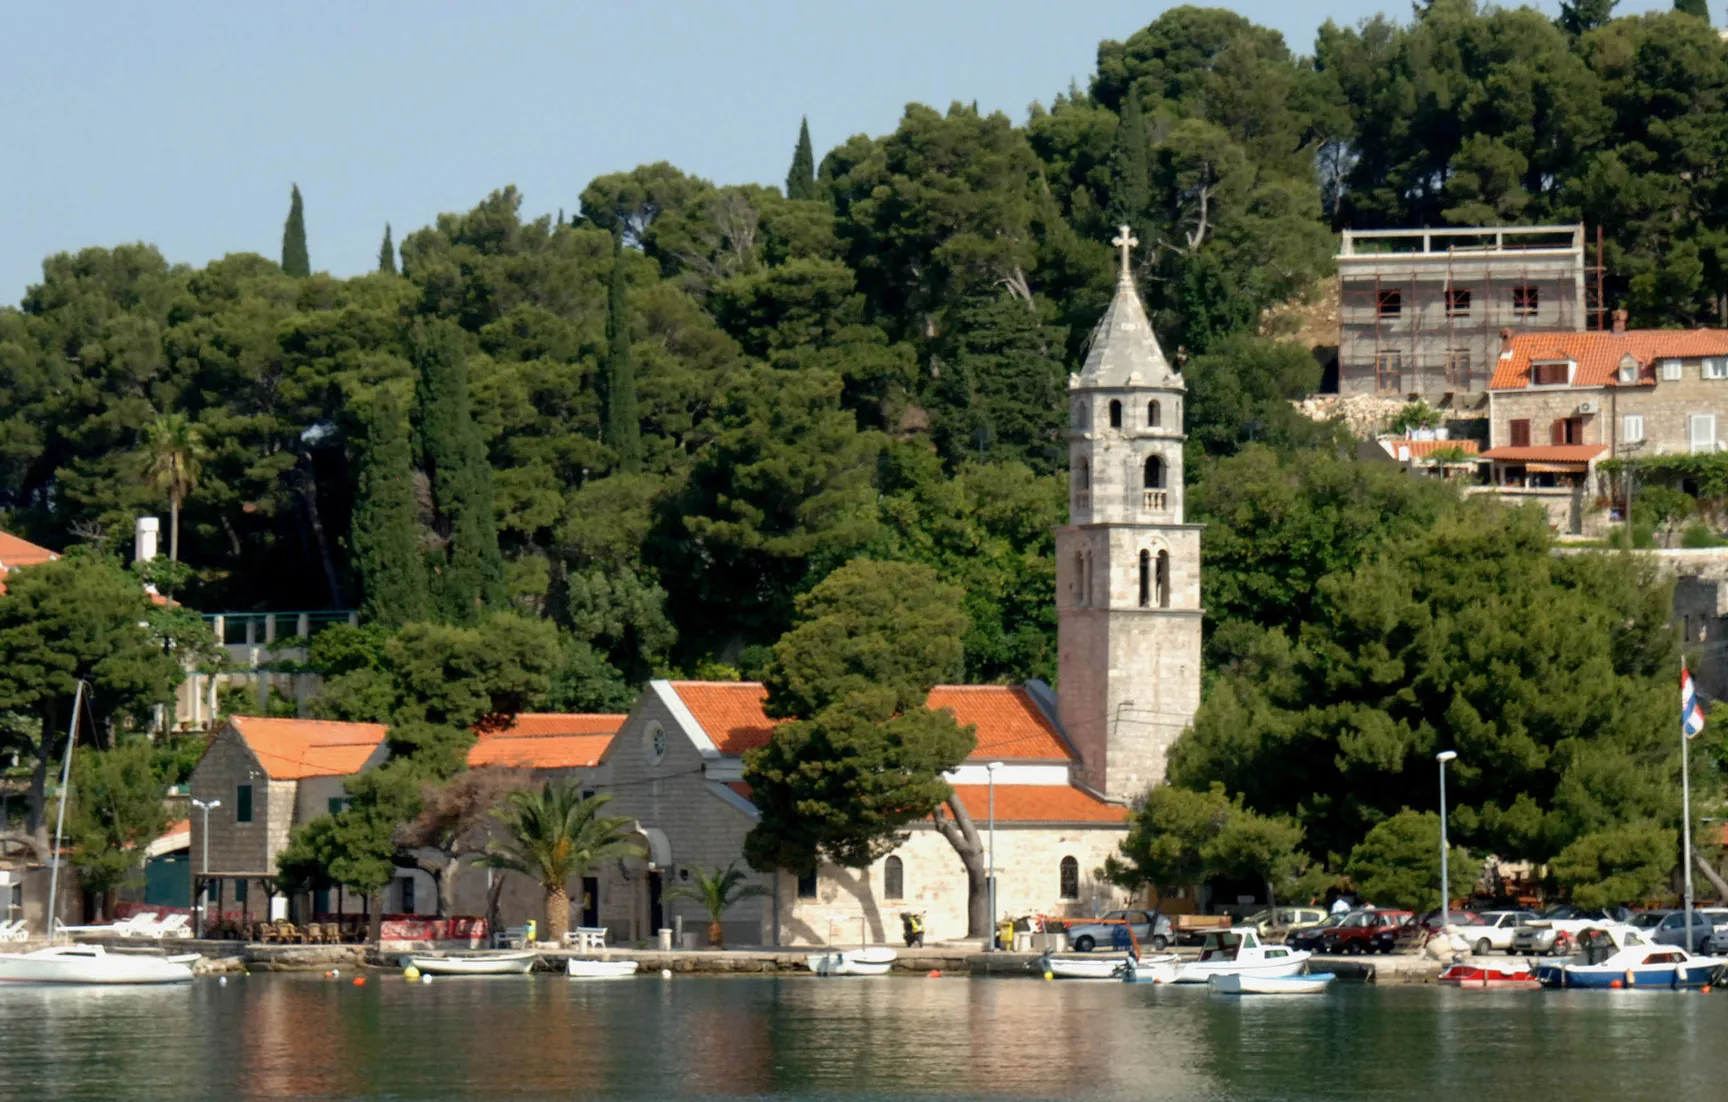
(1070, 879)
(1115, 414)
(1152, 414)
(1085, 474)
(1163, 579)
(1154, 473)
(893, 879)
(1145, 579)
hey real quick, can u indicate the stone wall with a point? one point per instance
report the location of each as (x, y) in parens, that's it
(237, 847)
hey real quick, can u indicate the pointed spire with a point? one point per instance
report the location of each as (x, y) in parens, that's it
(1124, 349)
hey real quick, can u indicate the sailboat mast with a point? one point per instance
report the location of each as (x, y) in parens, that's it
(1686, 817)
(60, 815)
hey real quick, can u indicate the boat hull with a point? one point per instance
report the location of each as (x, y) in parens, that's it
(1204, 971)
(600, 969)
(1242, 983)
(855, 962)
(503, 964)
(1649, 977)
(1490, 975)
(52, 966)
(1097, 968)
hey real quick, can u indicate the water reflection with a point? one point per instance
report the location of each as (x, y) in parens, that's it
(865, 1039)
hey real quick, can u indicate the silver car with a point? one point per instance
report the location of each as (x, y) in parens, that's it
(1705, 921)
(1151, 929)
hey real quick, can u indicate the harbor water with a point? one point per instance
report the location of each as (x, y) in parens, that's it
(767, 1037)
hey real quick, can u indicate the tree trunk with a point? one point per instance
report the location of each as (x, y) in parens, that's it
(309, 498)
(375, 917)
(174, 528)
(447, 887)
(557, 914)
(493, 891)
(963, 836)
(1271, 903)
(716, 935)
(1711, 875)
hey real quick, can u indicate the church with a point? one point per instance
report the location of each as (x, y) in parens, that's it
(1054, 770)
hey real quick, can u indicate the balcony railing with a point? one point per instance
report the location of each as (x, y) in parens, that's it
(1155, 501)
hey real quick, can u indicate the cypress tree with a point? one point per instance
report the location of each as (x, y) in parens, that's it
(386, 533)
(387, 253)
(1700, 8)
(801, 177)
(295, 260)
(469, 570)
(1130, 166)
(623, 430)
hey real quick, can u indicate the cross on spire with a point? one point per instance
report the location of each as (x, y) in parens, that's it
(1124, 240)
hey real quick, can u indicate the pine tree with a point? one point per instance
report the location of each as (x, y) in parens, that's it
(295, 260)
(470, 570)
(1581, 16)
(623, 430)
(801, 178)
(386, 535)
(1700, 8)
(387, 253)
(1130, 167)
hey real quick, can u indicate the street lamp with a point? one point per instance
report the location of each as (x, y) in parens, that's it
(1443, 757)
(204, 861)
(990, 879)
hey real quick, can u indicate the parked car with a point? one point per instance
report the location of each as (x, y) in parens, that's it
(1554, 930)
(1495, 930)
(1287, 918)
(1672, 929)
(1309, 937)
(1357, 932)
(1151, 929)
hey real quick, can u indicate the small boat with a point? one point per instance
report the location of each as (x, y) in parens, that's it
(1234, 951)
(1095, 967)
(853, 962)
(87, 964)
(1481, 973)
(599, 969)
(1617, 956)
(1244, 983)
(475, 964)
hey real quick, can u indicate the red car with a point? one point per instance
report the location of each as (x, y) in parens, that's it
(1358, 932)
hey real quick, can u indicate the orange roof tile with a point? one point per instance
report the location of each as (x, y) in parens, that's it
(1420, 448)
(1598, 354)
(294, 749)
(1010, 726)
(1547, 453)
(15, 553)
(182, 826)
(540, 751)
(1038, 803)
(538, 724)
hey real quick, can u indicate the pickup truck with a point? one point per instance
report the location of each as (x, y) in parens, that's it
(1358, 932)
(1192, 929)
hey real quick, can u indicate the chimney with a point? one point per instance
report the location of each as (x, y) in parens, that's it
(1619, 323)
(1505, 343)
(144, 545)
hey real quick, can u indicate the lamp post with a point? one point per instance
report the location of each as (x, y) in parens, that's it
(990, 875)
(204, 860)
(1443, 757)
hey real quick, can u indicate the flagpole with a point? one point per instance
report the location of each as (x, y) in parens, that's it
(1686, 812)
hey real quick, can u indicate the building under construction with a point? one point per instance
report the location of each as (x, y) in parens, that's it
(1420, 311)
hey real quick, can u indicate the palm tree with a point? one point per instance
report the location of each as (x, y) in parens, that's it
(716, 891)
(176, 450)
(556, 836)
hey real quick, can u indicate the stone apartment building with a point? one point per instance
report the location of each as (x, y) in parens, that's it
(1420, 311)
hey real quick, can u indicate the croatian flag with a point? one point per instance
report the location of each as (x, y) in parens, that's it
(1691, 712)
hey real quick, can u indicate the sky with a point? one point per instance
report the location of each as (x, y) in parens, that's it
(184, 124)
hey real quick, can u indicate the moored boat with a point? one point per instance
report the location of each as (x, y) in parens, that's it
(1244, 983)
(1620, 957)
(1234, 951)
(600, 969)
(1481, 973)
(475, 964)
(853, 962)
(92, 964)
(1095, 967)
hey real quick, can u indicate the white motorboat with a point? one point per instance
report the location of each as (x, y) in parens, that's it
(1619, 956)
(853, 962)
(1235, 951)
(600, 969)
(93, 964)
(1243, 983)
(1095, 967)
(475, 964)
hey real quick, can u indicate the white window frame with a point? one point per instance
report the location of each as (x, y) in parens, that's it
(1628, 375)
(1670, 371)
(1706, 422)
(1715, 367)
(1632, 428)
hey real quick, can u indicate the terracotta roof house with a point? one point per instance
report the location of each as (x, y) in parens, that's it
(546, 741)
(16, 553)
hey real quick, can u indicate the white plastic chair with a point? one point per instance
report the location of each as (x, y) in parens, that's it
(175, 925)
(14, 930)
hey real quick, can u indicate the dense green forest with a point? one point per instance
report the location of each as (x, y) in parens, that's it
(656, 421)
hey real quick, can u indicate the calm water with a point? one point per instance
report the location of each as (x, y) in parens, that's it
(545, 1037)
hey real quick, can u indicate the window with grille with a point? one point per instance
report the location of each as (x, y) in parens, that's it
(1458, 368)
(1389, 304)
(1457, 302)
(1526, 301)
(1389, 370)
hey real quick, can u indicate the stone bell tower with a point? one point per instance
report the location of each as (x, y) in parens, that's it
(1127, 567)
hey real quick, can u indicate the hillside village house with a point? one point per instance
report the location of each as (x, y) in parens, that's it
(1560, 403)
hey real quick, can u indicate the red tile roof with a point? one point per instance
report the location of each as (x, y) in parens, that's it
(1420, 448)
(537, 724)
(540, 751)
(1037, 803)
(1010, 726)
(294, 749)
(1547, 453)
(15, 553)
(1598, 354)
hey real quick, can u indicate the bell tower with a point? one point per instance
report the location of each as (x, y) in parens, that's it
(1127, 567)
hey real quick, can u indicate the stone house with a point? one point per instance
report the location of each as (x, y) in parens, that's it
(1560, 403)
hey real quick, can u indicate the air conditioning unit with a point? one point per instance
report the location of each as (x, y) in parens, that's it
(1587, 407)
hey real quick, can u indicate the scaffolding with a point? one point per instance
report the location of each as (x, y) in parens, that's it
(1421, 311)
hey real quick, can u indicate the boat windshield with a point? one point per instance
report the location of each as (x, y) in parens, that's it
(1221, 946)
(1596, 946)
